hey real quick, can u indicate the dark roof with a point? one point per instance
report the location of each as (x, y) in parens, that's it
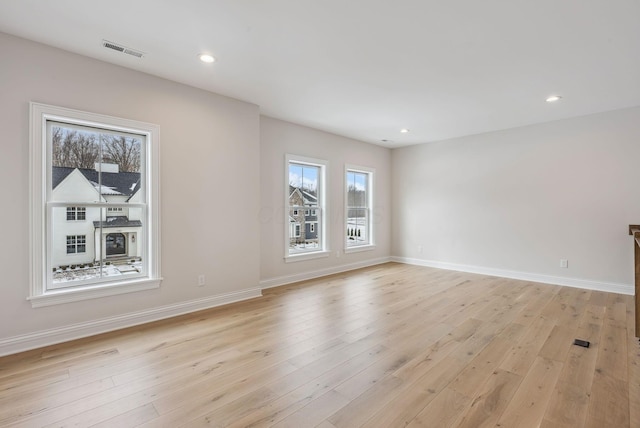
(125, 183)
(119, 221)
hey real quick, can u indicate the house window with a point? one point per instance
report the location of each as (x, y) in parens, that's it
(76, 244)
(305, 184)
(86, 166)
(358, 203)
(76, 213)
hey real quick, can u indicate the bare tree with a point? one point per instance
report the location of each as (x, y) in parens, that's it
(124, 151)
(74, 149)
(77, 149)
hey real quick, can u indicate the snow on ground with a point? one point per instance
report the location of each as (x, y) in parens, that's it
(357, 224)
(303, 248)
(81, 274)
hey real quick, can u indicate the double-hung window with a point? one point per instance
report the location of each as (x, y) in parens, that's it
(358, 207)
(94, 205)
(305, 235)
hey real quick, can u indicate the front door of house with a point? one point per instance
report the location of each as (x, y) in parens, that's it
(116, 244)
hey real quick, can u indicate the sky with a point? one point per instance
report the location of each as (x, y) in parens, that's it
(359, 180)
(305, 176)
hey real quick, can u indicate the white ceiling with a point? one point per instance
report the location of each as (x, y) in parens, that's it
(367, 68)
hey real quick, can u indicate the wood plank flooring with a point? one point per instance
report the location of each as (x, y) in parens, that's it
(388, 346)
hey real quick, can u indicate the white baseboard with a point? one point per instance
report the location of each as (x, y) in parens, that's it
(525, 276)
(13, 345)
(289, 279)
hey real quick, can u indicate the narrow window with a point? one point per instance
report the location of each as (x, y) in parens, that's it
(358, 197)
(305, 200)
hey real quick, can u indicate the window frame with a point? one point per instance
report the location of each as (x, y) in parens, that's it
(41, 291)
(370, 172)
(75, 212)
(75, 243)
(323, 234)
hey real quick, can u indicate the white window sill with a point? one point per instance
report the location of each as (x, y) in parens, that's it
(58, 297)
(306, 256)
(359, 248)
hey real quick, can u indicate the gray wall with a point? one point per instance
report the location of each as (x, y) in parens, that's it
(209, 173)
(279, 138)
(517, 201)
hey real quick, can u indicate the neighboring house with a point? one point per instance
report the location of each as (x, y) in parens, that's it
(303, 216)
(86, 234)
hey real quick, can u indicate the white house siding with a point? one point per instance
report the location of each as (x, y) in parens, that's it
(74, 187)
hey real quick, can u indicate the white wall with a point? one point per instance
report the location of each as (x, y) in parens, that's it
(515, 202)
(278, 138)
(210, 197)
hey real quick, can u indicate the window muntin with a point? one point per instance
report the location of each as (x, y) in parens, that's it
(358, 207)
(76, 213)
(92, 176)
(103, 168)
(306, 206)
(76, 244)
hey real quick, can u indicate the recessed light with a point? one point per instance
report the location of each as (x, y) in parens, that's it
(404, 130)
(553, 98)
(206, 58)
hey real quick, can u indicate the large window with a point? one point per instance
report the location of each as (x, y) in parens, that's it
(305, 200)
(94, 210)
(359, 229)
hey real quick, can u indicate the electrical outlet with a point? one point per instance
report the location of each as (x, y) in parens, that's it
(201, 280)
(338, 253)
(564, 263)
(419, 248)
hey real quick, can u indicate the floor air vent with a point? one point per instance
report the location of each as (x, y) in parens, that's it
(116, 47)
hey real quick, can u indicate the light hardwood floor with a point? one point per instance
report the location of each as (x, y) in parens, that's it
(389, 346)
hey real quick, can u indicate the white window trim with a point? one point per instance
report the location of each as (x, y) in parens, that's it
(39, 295)
(371, 190)
(323, 202)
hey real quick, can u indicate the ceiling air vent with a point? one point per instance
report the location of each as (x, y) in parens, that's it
(116, 47)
